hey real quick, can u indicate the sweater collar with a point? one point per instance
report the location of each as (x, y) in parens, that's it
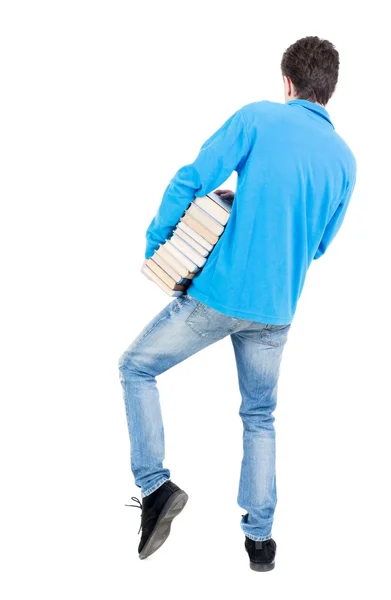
(314, 107)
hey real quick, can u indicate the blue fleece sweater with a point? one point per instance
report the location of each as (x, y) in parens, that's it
(295, 179)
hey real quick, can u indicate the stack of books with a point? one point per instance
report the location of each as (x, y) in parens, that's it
(176, 261)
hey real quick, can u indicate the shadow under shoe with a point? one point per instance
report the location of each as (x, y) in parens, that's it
(261, 554)
(158, 511)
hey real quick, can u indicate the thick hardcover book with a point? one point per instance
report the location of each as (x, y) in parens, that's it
(191, 241)
(205, 219)
(191, 266)
(173, 261)
(199, 228)
(196, 236)
(176, 291)
(160, 272)
(177, 277)
(219, 208)
(188, 250)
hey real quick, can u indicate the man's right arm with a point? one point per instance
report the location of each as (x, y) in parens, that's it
(338, 216)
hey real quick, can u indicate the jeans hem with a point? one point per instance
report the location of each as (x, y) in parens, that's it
(154, 487)
(258, 538)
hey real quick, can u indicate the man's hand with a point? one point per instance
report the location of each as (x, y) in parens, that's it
(226, 194)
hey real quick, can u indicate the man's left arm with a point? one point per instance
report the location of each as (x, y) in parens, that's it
(224, 152)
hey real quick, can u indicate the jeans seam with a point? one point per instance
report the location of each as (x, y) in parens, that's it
(234, 325)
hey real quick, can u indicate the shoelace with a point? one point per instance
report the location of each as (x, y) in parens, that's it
(138, 505)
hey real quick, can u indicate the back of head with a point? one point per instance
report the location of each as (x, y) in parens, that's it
(312, 65)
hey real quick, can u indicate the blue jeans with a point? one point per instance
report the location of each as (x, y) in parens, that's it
(181, 329)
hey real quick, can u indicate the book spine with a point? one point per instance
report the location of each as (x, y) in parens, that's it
(203, 217)
(191, 241)
(187, 250)
(213, 209)
(225, 204)
(151, 275)
(189, 264)
(199, 228)
(166, 267)
(160, 272)
(196, 236)
(172, 261)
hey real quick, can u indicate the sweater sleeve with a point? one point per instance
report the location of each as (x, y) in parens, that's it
(222, 153)
(337, 218)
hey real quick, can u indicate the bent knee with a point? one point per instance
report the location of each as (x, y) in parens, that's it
(131, 362)
(125, 360)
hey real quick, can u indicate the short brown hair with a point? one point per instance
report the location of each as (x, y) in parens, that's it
(312, 64)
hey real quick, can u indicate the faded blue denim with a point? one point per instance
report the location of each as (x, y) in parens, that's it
(181, 329)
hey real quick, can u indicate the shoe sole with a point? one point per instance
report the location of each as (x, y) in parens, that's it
(174, 505)
(262, 566)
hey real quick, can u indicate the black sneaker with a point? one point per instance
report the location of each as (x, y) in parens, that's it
(261, 554)
(158, 511)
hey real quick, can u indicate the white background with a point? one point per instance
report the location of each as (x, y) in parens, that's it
(101, 103)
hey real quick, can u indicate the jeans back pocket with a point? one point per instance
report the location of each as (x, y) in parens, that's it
(208, 322)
